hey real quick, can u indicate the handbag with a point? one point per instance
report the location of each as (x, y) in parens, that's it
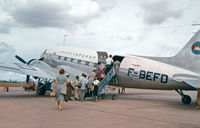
(92, 88)
(102, 75)
(63, 89)
(79, 85)
(52, 94)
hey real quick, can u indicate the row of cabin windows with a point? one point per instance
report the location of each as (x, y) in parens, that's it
(78, 54)
(78, 61)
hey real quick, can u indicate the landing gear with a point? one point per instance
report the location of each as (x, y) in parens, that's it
(114, 97)
(186, 99)
(43, 86)
(41, 89)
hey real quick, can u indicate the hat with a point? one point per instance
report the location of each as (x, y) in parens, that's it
(67, 74)
(84, 74)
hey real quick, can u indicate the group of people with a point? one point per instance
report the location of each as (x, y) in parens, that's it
(87, 84)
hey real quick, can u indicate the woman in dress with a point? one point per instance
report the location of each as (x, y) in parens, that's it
(60, 98)
(99, 71)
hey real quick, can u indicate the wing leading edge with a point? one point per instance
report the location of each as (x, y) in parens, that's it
(28, 70)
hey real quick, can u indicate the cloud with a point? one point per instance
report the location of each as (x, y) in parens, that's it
(4, 29)
(6, 48)
(51, 13)
(106, 4)
(158, 11)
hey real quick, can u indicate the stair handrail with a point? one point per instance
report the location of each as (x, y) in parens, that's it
(105, 81)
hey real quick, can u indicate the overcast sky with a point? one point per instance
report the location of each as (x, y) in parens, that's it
(140, 27)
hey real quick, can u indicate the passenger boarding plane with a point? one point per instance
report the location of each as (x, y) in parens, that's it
(180, 72)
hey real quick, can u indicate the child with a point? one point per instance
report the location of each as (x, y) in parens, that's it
(96, 87)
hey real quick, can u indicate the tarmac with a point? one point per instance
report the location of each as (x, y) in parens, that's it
(137, 108)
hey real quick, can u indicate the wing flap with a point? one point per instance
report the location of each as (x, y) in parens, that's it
(193, 80)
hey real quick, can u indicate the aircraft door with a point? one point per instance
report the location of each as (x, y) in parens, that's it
(102, 56)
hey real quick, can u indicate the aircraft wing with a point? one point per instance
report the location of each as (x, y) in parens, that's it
(38, 70)
(193, 80)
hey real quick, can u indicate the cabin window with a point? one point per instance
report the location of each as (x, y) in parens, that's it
(82, 62)
(86, 63)
(82, 55)
(75, 61)
(86, 56)
(65, 58)
(70, 53)
(76, 54)
(95, 64)
(71, 60)
(79, 54)
(91, 64)
(59, 57)
(79, 61)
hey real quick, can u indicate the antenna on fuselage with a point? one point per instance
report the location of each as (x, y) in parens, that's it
(64, 39)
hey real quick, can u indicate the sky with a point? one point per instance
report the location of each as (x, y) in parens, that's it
(136, 27)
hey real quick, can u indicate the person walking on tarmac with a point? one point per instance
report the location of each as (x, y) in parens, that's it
(83, 82)
(76, 89)
(69, 88)
(109, 63)
(60, 81)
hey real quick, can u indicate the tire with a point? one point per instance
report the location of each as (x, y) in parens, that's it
(186, 99)
(103, 96)
(41, 89)
(114, 97)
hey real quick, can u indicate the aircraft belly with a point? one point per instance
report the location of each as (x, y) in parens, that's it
(136, 82)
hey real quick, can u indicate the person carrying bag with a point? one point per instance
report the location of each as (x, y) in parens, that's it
(63, 89)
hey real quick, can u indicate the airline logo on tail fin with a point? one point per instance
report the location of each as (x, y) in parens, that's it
(196, 48)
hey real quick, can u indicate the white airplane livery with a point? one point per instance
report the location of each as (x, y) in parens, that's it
(180, 72)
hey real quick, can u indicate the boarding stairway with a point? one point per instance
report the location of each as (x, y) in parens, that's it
(109, 89)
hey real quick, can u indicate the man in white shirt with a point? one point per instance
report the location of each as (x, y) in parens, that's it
(109, 63)
(83, 82)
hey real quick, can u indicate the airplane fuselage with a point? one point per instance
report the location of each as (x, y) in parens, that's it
(134, 71)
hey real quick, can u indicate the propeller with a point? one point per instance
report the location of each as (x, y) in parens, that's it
(24, 62)
(20, 59)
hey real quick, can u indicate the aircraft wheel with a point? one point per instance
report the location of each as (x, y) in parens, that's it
(103, 96)
(186, 99)
(114, 97)
(41, 89)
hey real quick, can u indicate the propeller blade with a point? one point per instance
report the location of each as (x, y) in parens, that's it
(20, 59)
(27, 78)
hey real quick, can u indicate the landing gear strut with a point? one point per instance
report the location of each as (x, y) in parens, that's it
(186, 99)
(41, 89)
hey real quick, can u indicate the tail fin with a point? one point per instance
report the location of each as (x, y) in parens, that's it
(189, 56)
